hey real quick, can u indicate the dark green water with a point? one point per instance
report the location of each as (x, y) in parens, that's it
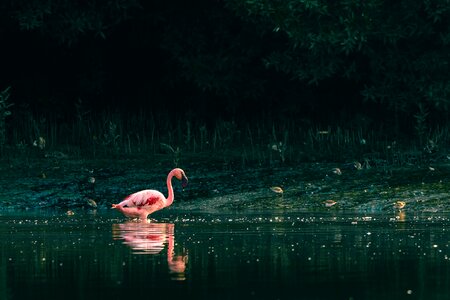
(251, 255)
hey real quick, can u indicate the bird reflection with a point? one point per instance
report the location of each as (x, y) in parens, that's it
(400, 216)
(151, 238)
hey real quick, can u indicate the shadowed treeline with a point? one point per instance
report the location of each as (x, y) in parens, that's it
(312, 62)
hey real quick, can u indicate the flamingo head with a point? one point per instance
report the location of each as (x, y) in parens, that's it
(180, 175)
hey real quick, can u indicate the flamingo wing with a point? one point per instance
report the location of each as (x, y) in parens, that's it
(144, 199)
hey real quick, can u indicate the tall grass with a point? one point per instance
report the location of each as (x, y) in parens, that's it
(261, 143)
(4, 112)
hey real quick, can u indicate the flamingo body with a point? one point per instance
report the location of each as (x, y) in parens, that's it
(143, 203)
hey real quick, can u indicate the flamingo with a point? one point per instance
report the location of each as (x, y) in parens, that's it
(141, 204)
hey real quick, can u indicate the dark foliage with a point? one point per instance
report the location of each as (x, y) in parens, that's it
(310, 59)
(398, 50)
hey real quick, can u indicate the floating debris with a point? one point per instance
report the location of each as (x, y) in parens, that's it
(91, 203)
(276, 189)
(357, 165)
(329, 203)
(399, 204)
(91, 180)
(337, 171)
(70, 213)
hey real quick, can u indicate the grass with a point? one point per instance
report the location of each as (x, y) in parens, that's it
(265, 143)
(4, 112)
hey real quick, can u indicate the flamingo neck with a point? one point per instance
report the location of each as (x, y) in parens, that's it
(171, 242)
(170, 196)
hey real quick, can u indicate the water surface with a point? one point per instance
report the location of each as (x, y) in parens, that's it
(241, 255)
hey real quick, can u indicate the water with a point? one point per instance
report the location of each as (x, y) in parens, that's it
(246, 255)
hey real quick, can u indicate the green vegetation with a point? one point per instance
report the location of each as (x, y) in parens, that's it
(262, 144)
(4, 112)
(399, 51)
(240, 56)
(254, 82)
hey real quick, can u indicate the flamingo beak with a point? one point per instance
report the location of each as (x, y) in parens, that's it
(184, 181)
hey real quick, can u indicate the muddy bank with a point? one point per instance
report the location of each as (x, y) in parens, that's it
(215, 186)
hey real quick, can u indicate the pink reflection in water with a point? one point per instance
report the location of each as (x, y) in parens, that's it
(151, 238)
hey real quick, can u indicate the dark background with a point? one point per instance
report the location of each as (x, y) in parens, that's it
(357, 63)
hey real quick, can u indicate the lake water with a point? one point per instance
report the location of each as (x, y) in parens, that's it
(246, 255)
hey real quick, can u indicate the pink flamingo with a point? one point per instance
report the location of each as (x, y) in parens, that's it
(142, 203)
